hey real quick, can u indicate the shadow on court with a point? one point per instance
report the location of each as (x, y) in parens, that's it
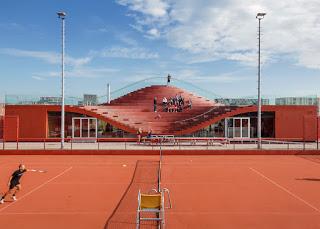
(145, 178)
(308, 179)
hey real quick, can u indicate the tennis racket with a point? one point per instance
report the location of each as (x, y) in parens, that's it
(36, 170)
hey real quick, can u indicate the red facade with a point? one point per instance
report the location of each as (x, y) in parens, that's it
(135, 110)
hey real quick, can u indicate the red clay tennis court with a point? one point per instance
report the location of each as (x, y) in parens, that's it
(206, 191)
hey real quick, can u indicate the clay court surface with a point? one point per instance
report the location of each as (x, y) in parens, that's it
(206, 191)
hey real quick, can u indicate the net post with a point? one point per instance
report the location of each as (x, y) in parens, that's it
(160, 165)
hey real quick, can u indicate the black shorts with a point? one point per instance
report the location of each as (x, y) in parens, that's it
(13, 185)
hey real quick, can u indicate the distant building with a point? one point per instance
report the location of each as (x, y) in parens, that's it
(50, 100)
(1, 109)
(241, 101)
(297, 101)
(90, 100)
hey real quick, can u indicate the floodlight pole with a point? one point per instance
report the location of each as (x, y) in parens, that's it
(62, 15)
(318, 111)
(108, 93)
(259, 16)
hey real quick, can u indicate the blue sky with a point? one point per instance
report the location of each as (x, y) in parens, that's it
(210, 43)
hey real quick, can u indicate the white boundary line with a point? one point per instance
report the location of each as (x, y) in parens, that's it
(286, 190)
(55, 213)
(170, 213)
(38, 187)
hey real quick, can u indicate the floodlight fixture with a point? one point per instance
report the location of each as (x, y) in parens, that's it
(61, 14)
(260, 16)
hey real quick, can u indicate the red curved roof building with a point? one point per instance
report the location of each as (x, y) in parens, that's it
(124, 116)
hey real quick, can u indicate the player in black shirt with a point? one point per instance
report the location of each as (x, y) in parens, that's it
(14, 182)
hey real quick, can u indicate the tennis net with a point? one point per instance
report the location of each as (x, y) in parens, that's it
(146, 177)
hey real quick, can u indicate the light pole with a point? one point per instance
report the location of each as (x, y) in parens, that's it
(62, 16)
(259, 16)
(318, 111)
(108, 93)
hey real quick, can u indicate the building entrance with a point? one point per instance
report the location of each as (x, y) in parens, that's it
(84, 127)
(237, 127)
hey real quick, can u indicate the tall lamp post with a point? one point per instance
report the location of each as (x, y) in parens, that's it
(259, 16)
(318, 112)
(62, 16)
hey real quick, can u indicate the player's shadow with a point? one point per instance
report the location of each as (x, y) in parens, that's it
(308, 179)
(8, 201)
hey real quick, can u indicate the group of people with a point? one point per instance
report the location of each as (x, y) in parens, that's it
(139, 135)
(175, 103)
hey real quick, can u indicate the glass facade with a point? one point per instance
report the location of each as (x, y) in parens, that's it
(105, 130)
(244, 125)
(297, 101)
(213, 130)
(54, 124)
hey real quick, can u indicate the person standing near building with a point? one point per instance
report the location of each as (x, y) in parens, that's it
(190, 103)
(139, 133)
(168, 79)
(164, 103)
(155, 104)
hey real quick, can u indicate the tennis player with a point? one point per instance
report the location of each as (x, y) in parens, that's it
(14, 182)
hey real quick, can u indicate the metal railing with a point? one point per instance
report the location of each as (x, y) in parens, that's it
(158, 80)
(197, 119)
(172, 143)
(73, 100)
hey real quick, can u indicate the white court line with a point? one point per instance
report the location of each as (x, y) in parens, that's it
(35, 189)
(169, 213)
(55, 213)
(88, 183)
(286, 190)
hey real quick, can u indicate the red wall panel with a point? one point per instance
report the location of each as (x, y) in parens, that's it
(318, 133)
(310, 127)
(290, 121)
(1, 127)
(11, 128)
(295, 122)
(32, 118)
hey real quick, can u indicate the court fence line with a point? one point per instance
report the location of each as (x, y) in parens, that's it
(171, 143)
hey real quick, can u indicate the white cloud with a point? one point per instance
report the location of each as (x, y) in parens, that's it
(223, 78)
(91, 72)
(49, 57)
(11, 26)
(129, 53)
(154, 8)
(78, 72)
(76, 67)
(37, 77)
(194, 75)
(125, 38)
(153, 33)
(211, 30)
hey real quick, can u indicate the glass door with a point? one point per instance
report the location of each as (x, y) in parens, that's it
(245, 128)
(76, 128)
(238, 127)
(84, 127)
